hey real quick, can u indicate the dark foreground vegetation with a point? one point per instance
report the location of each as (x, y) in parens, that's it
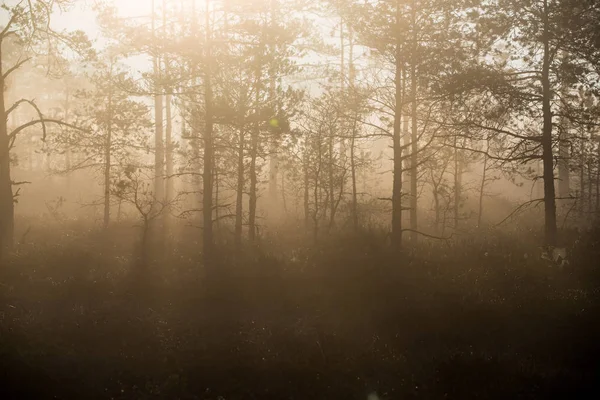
(342, 320)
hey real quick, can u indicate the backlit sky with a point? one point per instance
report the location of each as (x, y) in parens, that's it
(82, 16)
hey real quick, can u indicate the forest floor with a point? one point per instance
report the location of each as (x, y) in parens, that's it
(343, 320)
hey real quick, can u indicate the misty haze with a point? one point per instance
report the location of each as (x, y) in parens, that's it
(299, 199)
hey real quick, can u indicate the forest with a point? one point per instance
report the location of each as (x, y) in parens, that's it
(299, 199)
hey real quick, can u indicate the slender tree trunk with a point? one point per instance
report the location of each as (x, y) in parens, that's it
(239, 207)
(306, 190)
(253, 196)
(207, 174)
(216, 190)
(590, 187)
(159, 156)
(564, 186)
(406, 144)
(195, 120)
(274, 140)
(445, 218)
(252, 201)
(355, 222)
(330, 168)
(550, 231)
(353, 172)
(436, 195)
(170, 187)
(581, 178)
(598, 181)
(482, 187)
(397, 147)
(108, 151)
(343, 142)
(414, 140)
(7, 207)
(458, 171)
(317, 193)
(436, 200)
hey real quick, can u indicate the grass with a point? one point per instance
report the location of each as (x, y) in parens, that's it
(339, 321)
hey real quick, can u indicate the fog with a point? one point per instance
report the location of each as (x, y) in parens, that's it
(277, 199)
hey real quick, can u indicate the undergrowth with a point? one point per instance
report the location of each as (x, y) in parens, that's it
(479, 318)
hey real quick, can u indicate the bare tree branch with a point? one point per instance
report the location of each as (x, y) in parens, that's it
(15, 67)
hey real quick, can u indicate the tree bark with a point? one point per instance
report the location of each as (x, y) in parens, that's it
(274, 140)
(414, 140)
(581, 176)
(207, 173)
(353, 172)
(253, 196)
(170, 183)
(482, 187)
(397, 148)
(239, 207)
(355, 222)
(7, 207)
(564, 186)
(456, 184)
(159, 163)
(550, 227)
(598, 180)
(306, 190)
(108, 149)
(330, 168)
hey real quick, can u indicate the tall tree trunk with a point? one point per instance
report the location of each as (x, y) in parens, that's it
(306, 190)
(354, 132)
(207, 173)
(482, 186)
(355, 225)
(414, 140)
(170, 186)
(239, 207)
(274, 202)
(458, 172)
(195, 121)
(405, 144)
(159, 156)
(216, 190)
(598, 181)
(582, 176)
(590, 185)
(343, 142)
(550, 226)
(397, 147)
(7, 207)
(436, 200)
(330, 168)
(68, 150)
(317, 190)
(253, 197)
(564, 186)
(108, 150)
